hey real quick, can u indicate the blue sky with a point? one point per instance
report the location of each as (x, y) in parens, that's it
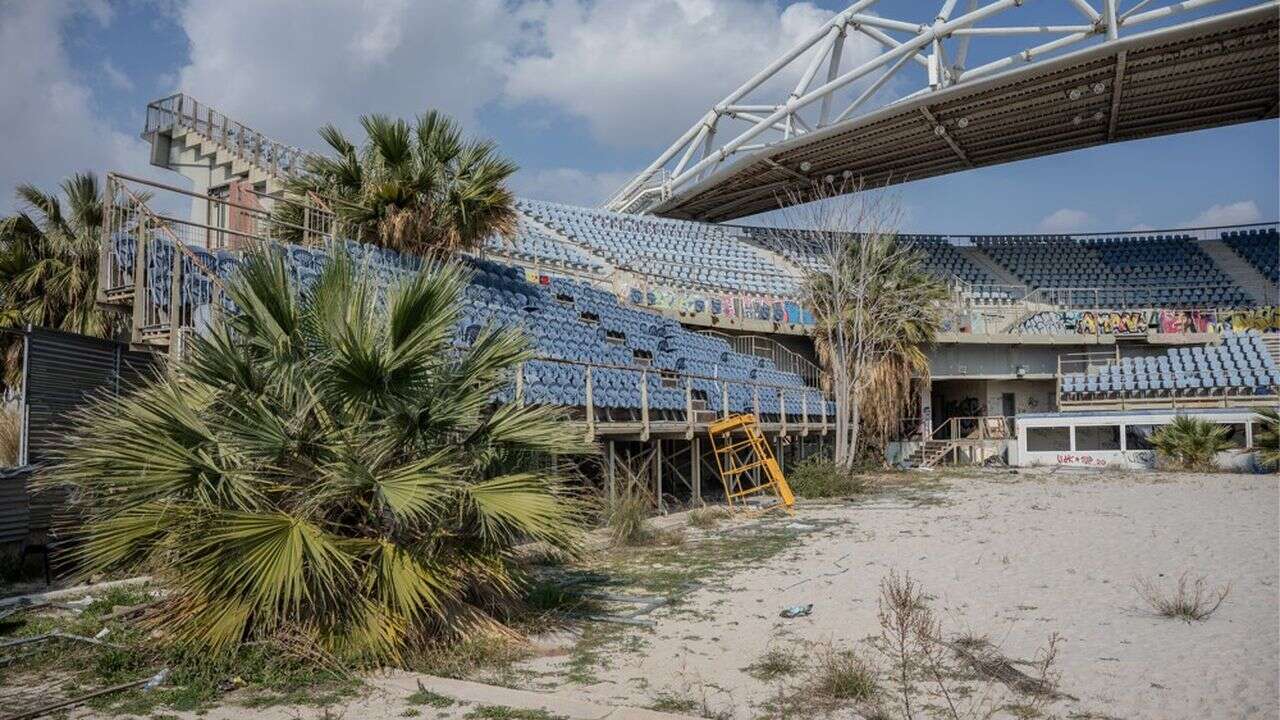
(581, 94)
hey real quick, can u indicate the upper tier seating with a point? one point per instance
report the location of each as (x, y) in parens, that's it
(1151, 271)
(940, 258)
(571, 324)
(533, 244)
(1239, 366)
(692, 253)
(1260, 247)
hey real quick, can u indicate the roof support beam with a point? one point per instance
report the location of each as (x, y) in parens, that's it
(941, 132)
(1117, 89)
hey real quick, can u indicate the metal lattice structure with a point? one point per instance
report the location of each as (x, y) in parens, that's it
(746, 153)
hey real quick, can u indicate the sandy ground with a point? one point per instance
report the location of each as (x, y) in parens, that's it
(1014, 558)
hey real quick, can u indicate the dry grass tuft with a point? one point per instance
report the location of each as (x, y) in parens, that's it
(10, 435)
(708, 518)
(1189, 601)
(776, 662)
(841, 676)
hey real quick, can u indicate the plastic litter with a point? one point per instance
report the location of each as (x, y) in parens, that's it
(804, 527)
(796, 611)
(156, 680)
(102, 633)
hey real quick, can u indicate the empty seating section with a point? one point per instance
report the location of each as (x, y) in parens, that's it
(1260, 247)
(533, 244)
(571, 325)
(677, 251)
(940, 258)
(1144, 271)
(1239, 366)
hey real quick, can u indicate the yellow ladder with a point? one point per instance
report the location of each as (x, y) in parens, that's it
(740, 448)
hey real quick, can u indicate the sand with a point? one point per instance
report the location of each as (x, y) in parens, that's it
(1015, 559)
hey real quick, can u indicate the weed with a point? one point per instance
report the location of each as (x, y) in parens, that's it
(776, 662)
(707, 518)
(841, 676)
(821, 478)
(1189, 601)
(424, 696)
(501, 712)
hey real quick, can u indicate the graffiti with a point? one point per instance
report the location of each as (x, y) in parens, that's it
(1130, 322)
(1145, 458)
(733, 307)
(1265, 319)
(1085, 460)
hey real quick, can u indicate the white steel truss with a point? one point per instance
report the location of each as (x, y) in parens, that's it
(742, 125)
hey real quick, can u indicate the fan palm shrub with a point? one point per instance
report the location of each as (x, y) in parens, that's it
(1266, 438)
(421, 188)
(49, 265)
(1190, 443)
(328, 464)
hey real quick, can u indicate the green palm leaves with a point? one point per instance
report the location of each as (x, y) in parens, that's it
(421, 188)
(329, 464)
(1266, 438)
(1191, 443)
(49, 263)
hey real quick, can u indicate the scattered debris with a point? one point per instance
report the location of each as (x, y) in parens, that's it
(156, 680)
(796, 611)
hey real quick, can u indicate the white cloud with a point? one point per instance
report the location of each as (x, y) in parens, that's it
(51, 128)
(569, 185)
(286, 68)
(116, 77)
(1065, 220)
(641, 72)
(1236, 213)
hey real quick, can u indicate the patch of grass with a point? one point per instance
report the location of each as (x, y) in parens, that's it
(424, 696)
(1189, 600)
(672, 703)
(776, 662)
(841, 676)
(821, 478)
(501, 712)
(466, 657)
(707, 518)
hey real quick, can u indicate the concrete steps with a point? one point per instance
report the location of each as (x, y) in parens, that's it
(1242, 272)
(977, 257)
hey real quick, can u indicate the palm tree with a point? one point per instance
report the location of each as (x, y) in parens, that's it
(421, 188)
(889, 312)
(1190, 443)
(49, 264)
(1266, 437)
(326, 463)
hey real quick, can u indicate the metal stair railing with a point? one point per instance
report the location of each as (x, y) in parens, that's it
(245, 143)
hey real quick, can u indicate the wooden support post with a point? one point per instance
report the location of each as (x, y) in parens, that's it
(804, 413)
(520, 386)
(696, 455)
(755, 402)
(778, 443)
(782, 408)
(591, 411)
(724, 399)
(611, 476)
(657, 479)
(175, 303)
(688, 408)
(644, 404)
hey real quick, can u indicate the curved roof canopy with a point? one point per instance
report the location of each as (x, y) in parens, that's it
(1215, 70)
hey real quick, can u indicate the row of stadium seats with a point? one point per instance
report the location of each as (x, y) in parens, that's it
(1260, 247)
(1162, 271)
(1240, 365)
(533, 245)
(697, 254)
(571, 325)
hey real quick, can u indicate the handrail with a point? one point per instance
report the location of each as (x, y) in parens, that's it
(182, 110)
(983, 427)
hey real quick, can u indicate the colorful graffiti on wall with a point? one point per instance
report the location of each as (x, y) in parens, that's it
(1139, 322)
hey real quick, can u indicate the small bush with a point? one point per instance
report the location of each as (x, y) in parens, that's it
(707, 518)
(822, 478)
(1190, 443)
(776, 662)
(1189, 601)
(1266, 438)
(842, 676)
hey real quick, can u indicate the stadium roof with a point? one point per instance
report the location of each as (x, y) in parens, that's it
(1209, 72)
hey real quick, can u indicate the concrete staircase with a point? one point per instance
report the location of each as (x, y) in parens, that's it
(1272, 341)
(977, 257)
(1241, 272)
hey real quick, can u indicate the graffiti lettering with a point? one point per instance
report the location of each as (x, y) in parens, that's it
(1087, 460)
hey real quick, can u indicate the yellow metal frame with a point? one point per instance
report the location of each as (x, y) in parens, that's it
(740, 448)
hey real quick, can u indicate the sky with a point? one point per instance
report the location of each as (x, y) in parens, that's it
(580, 93)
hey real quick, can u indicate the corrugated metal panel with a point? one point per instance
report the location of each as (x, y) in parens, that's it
(64, 372)
(14, 509)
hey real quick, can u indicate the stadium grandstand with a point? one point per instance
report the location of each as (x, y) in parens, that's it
(651, 319)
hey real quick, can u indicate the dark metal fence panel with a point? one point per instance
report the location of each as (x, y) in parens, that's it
(14, 508)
